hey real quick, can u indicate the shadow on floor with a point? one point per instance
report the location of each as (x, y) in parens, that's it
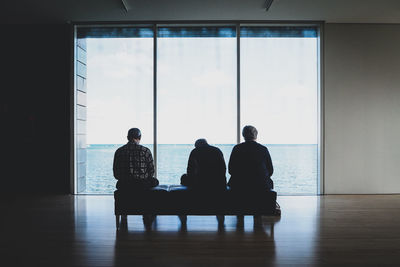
(220, 246)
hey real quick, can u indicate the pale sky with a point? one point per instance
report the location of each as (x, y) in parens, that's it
(197, 89)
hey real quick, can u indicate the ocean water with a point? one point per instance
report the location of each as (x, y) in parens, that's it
(295, 167)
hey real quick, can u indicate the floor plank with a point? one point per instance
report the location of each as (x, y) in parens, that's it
(312, 231)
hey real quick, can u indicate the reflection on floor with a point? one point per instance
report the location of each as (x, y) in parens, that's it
(80, 231)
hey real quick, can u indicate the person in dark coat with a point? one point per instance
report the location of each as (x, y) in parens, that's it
(206, 168)
(250, 164)
(250, 167)
(205, 174)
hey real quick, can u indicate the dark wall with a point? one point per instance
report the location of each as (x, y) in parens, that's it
(35, 84)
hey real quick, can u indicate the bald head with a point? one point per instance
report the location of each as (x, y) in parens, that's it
(200, 142)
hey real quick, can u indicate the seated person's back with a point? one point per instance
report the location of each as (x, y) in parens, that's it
(133, 164)
(250, 164)
(206, 168)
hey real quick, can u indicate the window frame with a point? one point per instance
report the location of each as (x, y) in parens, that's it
(237, 24)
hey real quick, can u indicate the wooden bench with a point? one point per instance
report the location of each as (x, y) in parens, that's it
(182, 201)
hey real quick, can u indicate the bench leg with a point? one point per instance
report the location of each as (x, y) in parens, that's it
(257, 220)
(272, 230)
(148, 219)
(220, 219)
(117, 217)
(240, 222)
(183, 219)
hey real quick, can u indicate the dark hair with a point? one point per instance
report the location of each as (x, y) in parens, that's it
(134, 133)
(200, 142)
(249, 133)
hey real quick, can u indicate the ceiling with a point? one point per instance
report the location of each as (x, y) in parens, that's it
(338, 11)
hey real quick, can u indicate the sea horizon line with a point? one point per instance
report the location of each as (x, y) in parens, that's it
(210, 144)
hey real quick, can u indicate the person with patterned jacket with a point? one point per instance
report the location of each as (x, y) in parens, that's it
(133, 164)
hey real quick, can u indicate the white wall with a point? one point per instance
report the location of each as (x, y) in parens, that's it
(362, 108)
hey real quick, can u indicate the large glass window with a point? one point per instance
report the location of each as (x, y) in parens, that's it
(279, 96)
(196, 85)
(119, 96)
(195, 77)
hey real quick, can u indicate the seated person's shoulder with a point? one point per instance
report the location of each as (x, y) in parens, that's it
(252, 146)
(240, 146)
(214, 148)
(120, 149)
(194, 151)
(261, 146)
(145, 149)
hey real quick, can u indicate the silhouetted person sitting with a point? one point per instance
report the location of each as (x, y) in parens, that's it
(250, 164)
(251, 168)
(133, 164)
(134, 169)
(206, 174)
(206, 168)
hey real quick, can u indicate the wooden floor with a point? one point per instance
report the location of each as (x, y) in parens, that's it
(319, 231)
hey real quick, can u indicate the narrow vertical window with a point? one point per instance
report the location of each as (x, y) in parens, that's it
(279, 96)
(119, 96)
(196, 81)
